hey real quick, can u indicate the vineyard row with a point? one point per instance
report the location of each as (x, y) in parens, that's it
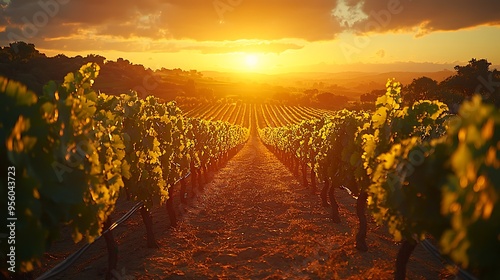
(266, 115)
(420, 170)
(72, 152)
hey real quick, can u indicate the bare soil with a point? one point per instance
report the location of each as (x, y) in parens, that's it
(253, 221)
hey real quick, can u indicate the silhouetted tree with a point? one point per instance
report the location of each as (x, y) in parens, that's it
(329, 100)
(22, 51)
(372, 96)
(99, 59)
(311, 92)
(475, 78)
(420, 89)
(467, 78)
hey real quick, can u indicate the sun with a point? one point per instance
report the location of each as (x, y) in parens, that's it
(251, 60)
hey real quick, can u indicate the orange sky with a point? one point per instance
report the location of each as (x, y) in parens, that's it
(262, 36)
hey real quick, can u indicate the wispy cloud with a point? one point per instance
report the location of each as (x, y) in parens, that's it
(161, 24)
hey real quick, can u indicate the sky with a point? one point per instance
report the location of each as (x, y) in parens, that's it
(267, 36)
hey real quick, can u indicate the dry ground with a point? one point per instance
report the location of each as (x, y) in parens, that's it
(254, 221)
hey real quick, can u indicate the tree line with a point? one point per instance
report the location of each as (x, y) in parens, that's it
(474, 78)
(22, 62)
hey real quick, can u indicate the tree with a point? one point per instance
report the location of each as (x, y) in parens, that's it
(372, 96)
(475, 78)
(5, 56)
(467, 78)
(311, 92)
(329, 100)
(22, 51)
(99, 59)
(420, 89)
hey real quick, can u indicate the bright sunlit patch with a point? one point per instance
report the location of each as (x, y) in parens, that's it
(348, 15)
(251, 60)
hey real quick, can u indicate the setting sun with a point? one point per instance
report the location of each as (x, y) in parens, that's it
(251, 61)
(217, 118)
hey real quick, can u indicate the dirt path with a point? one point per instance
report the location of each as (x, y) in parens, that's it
(255, 221)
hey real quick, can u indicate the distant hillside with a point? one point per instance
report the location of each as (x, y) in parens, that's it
(344, 83)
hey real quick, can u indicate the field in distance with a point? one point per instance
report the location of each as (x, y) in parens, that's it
(250, 115)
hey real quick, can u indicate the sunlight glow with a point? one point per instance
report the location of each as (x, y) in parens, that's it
(251, 60)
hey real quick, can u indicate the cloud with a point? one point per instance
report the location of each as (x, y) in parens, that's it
(347, 14)
(177, 19)
(255, 47)
(426, 16)
(257, 19)
(44, 19)
(132, 44)
(92, 23)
